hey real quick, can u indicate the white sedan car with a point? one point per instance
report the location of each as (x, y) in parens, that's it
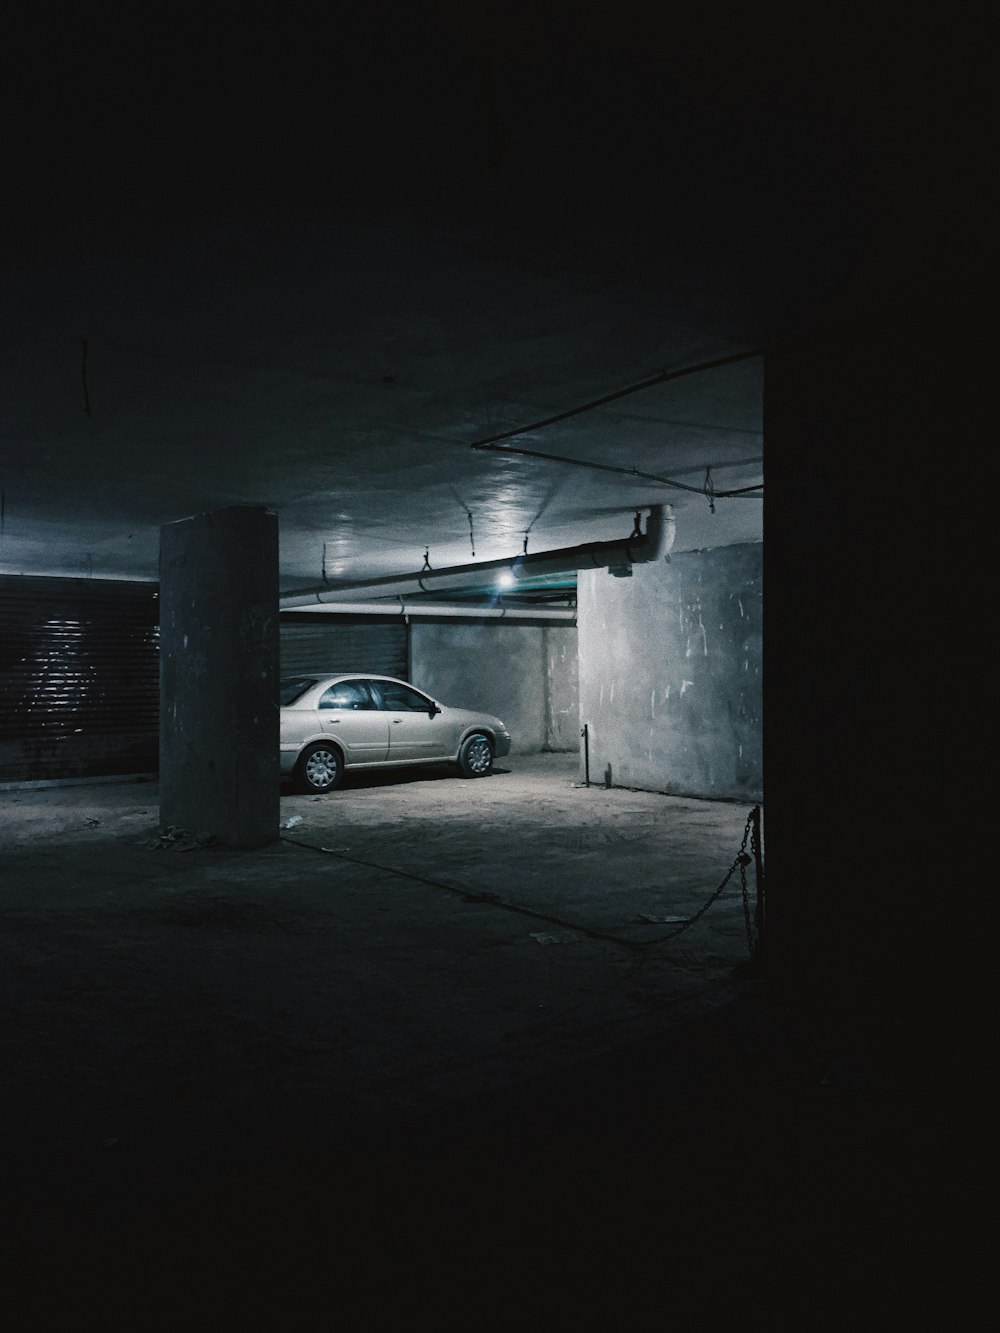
(330, 724)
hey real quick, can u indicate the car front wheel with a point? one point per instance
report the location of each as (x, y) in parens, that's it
(475, 758)
(320, 768)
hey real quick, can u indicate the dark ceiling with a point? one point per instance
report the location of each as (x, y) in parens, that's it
(309, 264)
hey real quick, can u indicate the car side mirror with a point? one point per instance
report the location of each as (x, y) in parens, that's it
(433, 710)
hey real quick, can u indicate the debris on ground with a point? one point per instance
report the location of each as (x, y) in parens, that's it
(662, 920)
(173, 839)
(92, 823)
(291, 822)
(554, 937)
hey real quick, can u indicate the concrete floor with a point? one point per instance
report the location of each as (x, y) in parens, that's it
(441, 1072)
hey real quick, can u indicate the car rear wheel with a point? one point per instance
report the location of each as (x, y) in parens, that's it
(320, 768)
(475, 758)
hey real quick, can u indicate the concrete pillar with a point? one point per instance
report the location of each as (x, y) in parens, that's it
(219, 675)
(878, 683)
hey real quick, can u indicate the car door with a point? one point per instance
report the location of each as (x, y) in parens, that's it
(348, 712)
(415, 731)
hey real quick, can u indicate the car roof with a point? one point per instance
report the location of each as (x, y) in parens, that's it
(318, 678)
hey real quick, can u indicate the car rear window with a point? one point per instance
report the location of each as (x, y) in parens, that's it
(293, 688)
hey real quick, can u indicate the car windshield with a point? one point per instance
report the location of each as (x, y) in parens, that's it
(293, 688)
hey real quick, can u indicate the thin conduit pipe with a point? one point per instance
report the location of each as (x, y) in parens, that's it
(749, 491)
(662, 378)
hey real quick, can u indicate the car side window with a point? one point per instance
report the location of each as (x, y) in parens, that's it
(346, 694)
(397, 698)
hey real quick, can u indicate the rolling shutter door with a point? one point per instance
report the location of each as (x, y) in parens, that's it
(79, 672)
(331, 645)
(79, 678)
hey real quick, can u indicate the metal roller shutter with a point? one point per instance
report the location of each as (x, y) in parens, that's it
(79, 678)
(79, 672)
(323, 644)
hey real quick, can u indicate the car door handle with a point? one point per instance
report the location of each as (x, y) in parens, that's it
(396, 721)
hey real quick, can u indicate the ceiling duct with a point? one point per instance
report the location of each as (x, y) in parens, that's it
(618, 556)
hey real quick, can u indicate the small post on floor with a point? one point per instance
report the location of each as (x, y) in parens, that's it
(585, 733)
(758, 859)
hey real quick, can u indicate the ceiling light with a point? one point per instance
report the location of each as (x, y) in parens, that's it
(505, 579)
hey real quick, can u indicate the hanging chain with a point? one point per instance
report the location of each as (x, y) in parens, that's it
(744, 861)
(741, 861)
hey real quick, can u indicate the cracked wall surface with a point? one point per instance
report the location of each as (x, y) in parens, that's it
(670, 673)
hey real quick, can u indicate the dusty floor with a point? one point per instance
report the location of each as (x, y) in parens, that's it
(443, 1072)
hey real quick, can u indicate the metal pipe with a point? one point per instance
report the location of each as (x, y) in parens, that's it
(639, 548)
(316, 605)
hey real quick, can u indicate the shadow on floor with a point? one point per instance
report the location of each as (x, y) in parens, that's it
(397, 777)
(723, 1174)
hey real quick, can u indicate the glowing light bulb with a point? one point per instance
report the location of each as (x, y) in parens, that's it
(505, 579)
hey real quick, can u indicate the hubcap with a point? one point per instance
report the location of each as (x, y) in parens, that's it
(322, 768)
(479, 755)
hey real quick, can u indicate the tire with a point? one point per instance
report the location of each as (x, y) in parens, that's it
(475, 758)
(320, 768)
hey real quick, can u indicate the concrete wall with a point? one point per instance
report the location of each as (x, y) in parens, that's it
(670, 673)
(524, 674)
(561, 683)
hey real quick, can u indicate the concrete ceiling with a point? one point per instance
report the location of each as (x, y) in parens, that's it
(312, 268)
